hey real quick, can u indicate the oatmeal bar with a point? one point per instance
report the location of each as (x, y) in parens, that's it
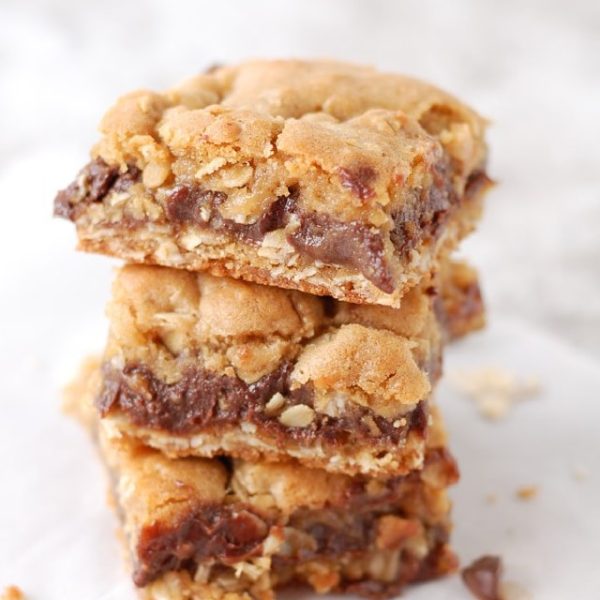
(202, 365)
(203, 528)
(324, 177)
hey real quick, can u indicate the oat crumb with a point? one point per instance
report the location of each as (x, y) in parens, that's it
(510, 590)
(527, 492)
(12, 592)
(491, 498)
(494, 390)
(580, 473)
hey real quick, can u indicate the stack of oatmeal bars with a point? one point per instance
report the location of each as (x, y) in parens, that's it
(265, 401)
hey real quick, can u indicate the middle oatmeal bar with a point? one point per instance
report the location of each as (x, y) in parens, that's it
(199, 365)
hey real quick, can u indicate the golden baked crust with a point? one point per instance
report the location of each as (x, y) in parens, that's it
(321, 176)
(206, 528)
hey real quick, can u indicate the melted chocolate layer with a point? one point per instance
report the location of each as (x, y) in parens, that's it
(223, 533)
(203, 399)
(352, 244)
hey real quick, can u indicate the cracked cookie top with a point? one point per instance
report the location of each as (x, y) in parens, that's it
(356, 143)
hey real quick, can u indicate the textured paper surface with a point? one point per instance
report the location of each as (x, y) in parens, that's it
(57, 533)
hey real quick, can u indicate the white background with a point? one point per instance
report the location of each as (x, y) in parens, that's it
(532, 67)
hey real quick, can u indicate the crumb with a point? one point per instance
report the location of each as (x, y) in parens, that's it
(482, 577)
(111, 501)
(580, 473)
(510, 590)
(491, 498)
(12, 592)
(494, 390)
(527, 492)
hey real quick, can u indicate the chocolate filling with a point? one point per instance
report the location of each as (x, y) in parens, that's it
(319, 237)
(224, 533)
(351, 244)
(187, 204)
(203, 399)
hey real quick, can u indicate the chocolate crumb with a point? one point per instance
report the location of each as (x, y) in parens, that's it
(482, 577)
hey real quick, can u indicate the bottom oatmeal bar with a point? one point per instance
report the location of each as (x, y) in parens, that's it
(214, 528)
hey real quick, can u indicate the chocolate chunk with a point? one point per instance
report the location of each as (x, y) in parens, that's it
(349, 244)
(275, 217)
(94, 182)
(211, 532)
(349, 535)
(424, 217)
(418, 418)
(203, 398)
(64, 202)
(195, 205)
(100, 178)
(184, 204)
(359, 181)
(125, 180)
(482, 577)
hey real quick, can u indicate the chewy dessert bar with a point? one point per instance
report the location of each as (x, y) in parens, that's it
(324, 177)
(198, 365)
(203, 365)
(205, 528)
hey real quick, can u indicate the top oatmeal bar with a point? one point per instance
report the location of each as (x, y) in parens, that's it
(325, 177)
